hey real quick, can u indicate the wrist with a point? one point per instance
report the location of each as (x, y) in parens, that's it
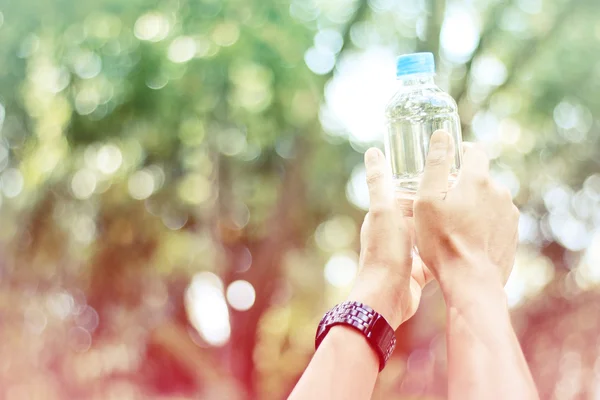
(472, 280)
(382, 293)
(344, 337)
(481, 293)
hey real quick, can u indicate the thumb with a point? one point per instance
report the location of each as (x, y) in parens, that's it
(434, 182)
(380, 188)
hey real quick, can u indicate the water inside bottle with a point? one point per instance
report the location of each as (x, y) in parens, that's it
(409, 131)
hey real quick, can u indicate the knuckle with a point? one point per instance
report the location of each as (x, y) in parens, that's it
(435, 158)
(425, 205)
(375, 212)
(405, 206)
(421, 204)
(482, 181)
(380, 211)
(374, 176)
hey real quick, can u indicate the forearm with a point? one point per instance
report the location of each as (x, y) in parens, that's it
(344, 367)
(485, 359)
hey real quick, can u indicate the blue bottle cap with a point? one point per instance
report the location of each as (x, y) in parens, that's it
(416, 63)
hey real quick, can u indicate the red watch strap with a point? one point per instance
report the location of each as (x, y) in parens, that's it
(376, 330)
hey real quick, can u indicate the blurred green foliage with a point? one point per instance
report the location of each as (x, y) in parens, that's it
(143, 143)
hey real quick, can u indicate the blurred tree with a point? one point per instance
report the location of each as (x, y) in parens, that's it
(144, 143)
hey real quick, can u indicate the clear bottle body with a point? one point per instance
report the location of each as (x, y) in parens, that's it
(413, 114)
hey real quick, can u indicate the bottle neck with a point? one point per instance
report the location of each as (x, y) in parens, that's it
(416, 80)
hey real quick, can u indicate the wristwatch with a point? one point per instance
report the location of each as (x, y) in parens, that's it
(372, 325)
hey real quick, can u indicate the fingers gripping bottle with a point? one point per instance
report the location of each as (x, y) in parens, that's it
(414, 113)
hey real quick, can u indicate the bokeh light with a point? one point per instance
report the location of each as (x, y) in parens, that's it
(152, 26)
(319, 60)
(226, 33)
(357, 191)
(341, 269)
(182, 49)
(207, 309)
(529, 276)
(141, 184)
(83, 183)
(109, 159)
(368, 75)
(337, 233)
(241, 295)
(12, 182)
(459, 34)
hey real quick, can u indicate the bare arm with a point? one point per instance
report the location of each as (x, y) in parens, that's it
(467, 235)
(345, 367)
(484, 355)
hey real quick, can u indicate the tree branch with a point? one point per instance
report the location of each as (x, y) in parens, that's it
(436, 11)
(359, 15)
(285, 229)
(490, 28)
(293, 184)
(527, 52)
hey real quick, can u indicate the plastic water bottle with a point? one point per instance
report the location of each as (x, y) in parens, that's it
(413, 114)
